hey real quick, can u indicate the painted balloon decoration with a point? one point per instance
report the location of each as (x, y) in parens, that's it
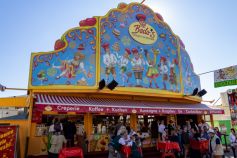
(159, 17)
(59, 44)
(122, 5)
(88, 22)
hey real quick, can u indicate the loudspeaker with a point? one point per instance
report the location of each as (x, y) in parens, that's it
(112, 85)
(202, 93)
(101, 84)
(195, 91)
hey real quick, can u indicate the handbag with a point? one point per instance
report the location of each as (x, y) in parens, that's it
(219, 150)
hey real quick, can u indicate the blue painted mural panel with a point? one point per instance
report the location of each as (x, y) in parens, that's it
(190, 79)
(74, 65)
(153, 63)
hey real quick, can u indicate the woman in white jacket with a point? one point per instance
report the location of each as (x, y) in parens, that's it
(215, 146)
(233, 141)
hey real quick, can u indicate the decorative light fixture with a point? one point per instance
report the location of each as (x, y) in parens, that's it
(202, 93)
(101, 84)
(112, 84)
(195, 91)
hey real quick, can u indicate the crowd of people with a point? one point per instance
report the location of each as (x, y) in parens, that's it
(188, 132)
(122, 136)
(159, 131)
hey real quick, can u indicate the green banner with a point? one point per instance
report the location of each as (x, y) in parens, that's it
(225, 77)
(225, 83)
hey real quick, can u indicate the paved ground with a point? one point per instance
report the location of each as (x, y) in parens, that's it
(229, 154)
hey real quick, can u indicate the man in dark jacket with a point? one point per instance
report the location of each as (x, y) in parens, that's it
(185, 141)
(69, 132)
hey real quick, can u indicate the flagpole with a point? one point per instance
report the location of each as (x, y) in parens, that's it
(143, 1)
(3, 88)
(205, 72)
(21, 89)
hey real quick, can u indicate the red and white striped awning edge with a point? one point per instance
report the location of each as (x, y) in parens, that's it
(83, 104)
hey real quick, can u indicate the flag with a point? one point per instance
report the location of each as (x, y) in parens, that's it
(225, 77)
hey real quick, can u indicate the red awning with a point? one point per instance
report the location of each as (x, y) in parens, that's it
(103, 105)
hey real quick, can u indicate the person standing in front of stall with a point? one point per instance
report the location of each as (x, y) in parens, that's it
(69, 132)
(171, 127)
(55, 126)
(124, 141)
(185, 141)
(205, 134)
(215, 146)
(57, 142)
(233, 141)
(81, 137)
(161, 129)
(165, 135)
(154, 132)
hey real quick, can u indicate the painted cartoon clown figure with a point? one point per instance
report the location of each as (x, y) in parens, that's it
(141, 18)
(69, 68)
(137, 66)
(123, 63)
(152, 71)
(110, 62)
(164, 71)
(172, 76)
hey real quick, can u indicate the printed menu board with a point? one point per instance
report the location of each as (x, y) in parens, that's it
(8, 141)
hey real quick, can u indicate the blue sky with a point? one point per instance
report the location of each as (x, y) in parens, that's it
(207, 28)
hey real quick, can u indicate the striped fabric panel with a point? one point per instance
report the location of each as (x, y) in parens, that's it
(83, 101)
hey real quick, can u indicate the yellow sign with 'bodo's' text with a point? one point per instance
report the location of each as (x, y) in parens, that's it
(144, 34)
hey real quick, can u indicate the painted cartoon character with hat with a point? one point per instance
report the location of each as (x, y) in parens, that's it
(70, 67)
(152, 71)
(137, 66)
(164, 70)
(123, 62)
(173, 77)
(110, 62)
(141, 18)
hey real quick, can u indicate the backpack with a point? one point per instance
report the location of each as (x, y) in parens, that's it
(57, 127)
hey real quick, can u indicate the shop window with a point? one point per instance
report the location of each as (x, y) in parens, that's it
(104, 127)
(42, 127)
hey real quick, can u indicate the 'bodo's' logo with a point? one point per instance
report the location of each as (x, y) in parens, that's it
(142, 32)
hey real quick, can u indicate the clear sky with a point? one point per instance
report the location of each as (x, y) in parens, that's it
(208, 29)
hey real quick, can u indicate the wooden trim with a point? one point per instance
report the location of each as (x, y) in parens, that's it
(133, 122)
(212, 121)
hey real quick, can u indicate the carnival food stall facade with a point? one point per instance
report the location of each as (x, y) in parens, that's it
(127, 65)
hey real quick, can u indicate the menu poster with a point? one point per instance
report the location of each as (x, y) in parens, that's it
(8, 141)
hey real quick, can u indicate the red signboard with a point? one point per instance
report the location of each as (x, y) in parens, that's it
(142, 110)
(8, 139)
